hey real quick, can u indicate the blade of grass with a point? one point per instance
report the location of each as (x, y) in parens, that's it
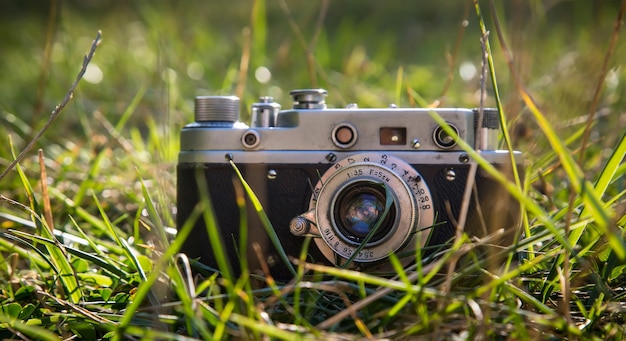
(211, 314)
(128, 251)
(45, 262)
(399, 268)
(35, 332)
(265, 220)
(270, 330)
(130, 110)
(57, 110)
(47, 212)
(144, 333)
(243, 227)
(546, 163)
(194, 322)
(381, 282)
(231, 308)
(512, 188)
(399, 83)
(185, 291)
(152, 212)
(44, 68)
(145, 288)
(40, 261)
(492, 72)
(530, 299)
(618, 248)
(297, 303)
(243, 249)
(113, 268)
(258, 23)
(56, 253)
(577, 182)
(87, 184)
(89, 241)
(98, 224)
(608, 172)
(571, 168)
(602, 183)
(601, 80)
(215, 239)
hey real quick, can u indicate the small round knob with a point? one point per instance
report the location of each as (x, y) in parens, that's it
(299, 226)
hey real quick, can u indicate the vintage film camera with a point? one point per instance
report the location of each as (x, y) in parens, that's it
(332, 174)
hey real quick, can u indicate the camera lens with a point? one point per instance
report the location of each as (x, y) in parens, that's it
(349, 200)
(358, 209)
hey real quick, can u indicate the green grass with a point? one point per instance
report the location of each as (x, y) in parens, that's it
(101, 262)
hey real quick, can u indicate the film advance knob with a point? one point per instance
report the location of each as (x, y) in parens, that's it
(216, 109)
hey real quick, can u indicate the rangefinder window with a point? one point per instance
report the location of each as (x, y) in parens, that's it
(392, 136)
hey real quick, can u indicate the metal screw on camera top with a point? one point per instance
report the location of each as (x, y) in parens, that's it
(331, 157)
(464, 158)
(415, 144)
(299, 226)
(228, 157)
(450, 175)
(352, 106)
(271, 174)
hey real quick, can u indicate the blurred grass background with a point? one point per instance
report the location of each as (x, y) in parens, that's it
(558, 46)
(156, 56)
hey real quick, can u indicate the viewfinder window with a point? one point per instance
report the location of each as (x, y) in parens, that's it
(392, 136)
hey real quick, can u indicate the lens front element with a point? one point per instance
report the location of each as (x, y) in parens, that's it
(358, 209)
